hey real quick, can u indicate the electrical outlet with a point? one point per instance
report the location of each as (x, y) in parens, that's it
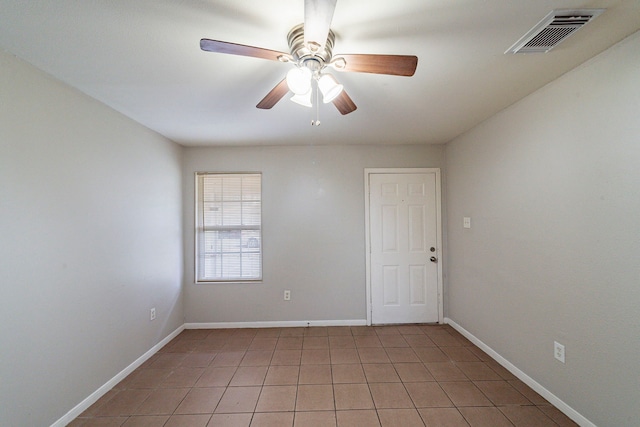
(287, 295)
(558, 351)
(152, 314)
(466, 222)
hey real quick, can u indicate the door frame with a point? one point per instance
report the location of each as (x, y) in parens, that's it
(439, 252)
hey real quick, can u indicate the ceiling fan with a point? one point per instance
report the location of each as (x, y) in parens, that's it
(311, 53)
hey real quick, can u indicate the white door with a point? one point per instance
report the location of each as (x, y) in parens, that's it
(403, 244)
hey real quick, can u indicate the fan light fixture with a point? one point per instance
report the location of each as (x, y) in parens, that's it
(329, 87)
(299, 80)
(303, 99)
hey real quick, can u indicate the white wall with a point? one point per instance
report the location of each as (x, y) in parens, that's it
(313, 230)
(91, 238)
(552, 186)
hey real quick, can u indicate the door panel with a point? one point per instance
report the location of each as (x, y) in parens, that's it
(416, 229)
(389, 229)
(390, 285)
(418, 275)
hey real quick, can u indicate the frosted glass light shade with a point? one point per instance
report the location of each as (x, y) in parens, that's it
(303, 98)
(299, 80)
(329, 87)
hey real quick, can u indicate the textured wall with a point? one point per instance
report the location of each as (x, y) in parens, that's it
(91, 238)
(313, 230)
(552, 186)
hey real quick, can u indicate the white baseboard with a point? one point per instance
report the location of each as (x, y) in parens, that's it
(537, 387)
(276, 324)
(93, 397)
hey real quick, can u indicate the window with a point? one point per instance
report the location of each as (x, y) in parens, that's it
(228, 229)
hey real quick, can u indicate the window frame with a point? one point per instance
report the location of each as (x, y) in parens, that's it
(199, 230)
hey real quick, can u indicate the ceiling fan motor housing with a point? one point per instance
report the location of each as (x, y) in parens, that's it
(303, 54)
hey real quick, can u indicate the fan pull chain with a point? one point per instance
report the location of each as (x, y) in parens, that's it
(316, 122)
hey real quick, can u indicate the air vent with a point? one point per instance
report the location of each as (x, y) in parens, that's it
(553, 29)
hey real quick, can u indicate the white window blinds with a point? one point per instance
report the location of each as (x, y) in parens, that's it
(228, 235)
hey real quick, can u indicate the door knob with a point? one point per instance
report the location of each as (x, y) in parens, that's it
(433, 259)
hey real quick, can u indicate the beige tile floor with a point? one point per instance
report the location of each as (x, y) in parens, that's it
(413, 375)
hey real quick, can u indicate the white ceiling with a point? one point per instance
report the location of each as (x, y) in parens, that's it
(142, 58)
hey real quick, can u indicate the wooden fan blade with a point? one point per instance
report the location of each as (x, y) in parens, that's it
(318, 15)
(274, 96)
(344, 103)
(396, 65)
(240, 49)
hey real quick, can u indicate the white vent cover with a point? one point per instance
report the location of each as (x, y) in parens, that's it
(553, 29)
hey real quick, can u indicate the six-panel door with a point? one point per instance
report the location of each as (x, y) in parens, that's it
(403, 231)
